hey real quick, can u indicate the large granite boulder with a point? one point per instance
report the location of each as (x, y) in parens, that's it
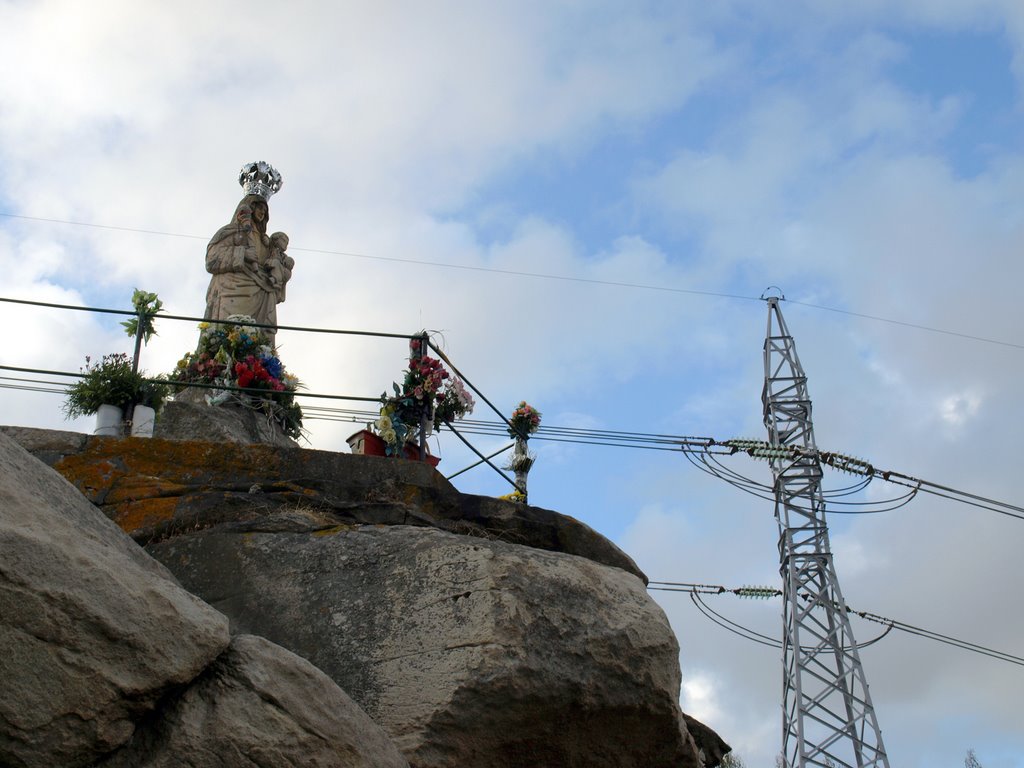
(477, 632)
(93, 632)
(260, 705)
(106, 660)
(469, 652)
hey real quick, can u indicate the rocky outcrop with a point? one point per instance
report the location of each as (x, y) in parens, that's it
(157, 488)
(477, 632)
(468, 652)
(98, 642)
(711, 746)
(47, 445)
(259, 705)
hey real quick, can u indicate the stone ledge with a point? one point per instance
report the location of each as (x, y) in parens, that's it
(156, 489)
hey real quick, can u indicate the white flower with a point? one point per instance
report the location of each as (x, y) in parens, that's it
(462, 395)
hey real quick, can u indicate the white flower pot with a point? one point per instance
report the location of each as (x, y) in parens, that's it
(143, 421)
(108, 421)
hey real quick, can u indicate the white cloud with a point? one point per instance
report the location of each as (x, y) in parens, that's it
(699, 698)
(956, 409)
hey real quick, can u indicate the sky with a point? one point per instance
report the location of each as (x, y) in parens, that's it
(583, 202)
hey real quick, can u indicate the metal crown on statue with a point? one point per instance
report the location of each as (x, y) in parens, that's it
(260, 179)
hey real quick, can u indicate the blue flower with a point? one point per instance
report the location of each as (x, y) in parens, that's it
(273, 366)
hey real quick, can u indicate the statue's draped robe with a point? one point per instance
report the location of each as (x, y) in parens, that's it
(239, 287)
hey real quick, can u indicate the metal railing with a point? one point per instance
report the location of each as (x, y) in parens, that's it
(423, 427)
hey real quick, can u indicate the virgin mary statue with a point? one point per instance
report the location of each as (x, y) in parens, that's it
(249, 269)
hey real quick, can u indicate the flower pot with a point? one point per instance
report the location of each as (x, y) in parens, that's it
(412, 452)
(109, 420)
(366, 443)
(143, 421)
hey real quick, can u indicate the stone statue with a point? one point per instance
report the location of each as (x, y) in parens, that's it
(249, 268)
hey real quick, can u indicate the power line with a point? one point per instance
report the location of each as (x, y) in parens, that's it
(749, 634)
(917, 326)
(184, 384)
(695, 590)
(538, 275)
(165, 316)
(730, 626)
(400, 260)
(100, 226)
(762, 450)
(702, 452)
(712, 465)
(962, 644)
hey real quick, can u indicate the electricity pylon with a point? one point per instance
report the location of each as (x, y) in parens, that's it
(827, 717)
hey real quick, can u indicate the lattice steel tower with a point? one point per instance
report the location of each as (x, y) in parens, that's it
(827, 717)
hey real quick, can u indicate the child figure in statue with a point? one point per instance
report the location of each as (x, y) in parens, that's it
(280, 267)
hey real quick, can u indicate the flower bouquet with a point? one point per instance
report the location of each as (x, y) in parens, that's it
(428, 394)
(525, 421)
(234, 355)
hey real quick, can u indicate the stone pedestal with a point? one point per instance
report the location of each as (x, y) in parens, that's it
(188, 417)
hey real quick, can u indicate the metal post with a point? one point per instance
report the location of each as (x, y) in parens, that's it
(521, 463)
(828, 718)
(417, 352)
(130, 415)
(138, 342)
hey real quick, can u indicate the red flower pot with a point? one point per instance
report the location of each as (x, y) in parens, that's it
(367, 443)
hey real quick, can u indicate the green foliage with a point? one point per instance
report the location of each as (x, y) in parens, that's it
(971, 760)
(154, 392)
(112, 382)
(147, 305)
(732, 760)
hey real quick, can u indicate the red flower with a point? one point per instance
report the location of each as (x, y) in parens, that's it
(243, 374)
